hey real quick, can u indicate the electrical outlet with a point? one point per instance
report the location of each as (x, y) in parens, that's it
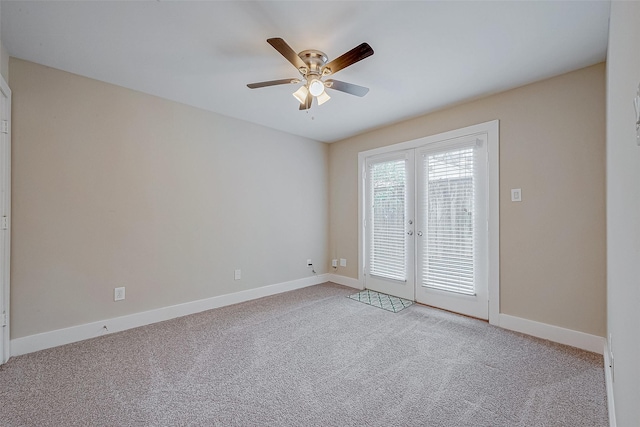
(516, 195)
(237, 274)
(118, 294)
(334, 263)
(309, 263)
(343, 262)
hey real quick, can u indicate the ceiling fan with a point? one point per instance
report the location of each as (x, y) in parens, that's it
(313, 67)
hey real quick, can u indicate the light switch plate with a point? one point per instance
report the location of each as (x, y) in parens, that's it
(343, 262)
(516, 195)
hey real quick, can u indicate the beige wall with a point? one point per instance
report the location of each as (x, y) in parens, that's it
(4, 63)
(112, 187)
(623, 208)
(552, 145)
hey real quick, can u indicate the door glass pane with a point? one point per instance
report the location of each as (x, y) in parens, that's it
(448, 252)
(387, 255)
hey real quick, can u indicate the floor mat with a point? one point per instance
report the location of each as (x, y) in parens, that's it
(384, 301)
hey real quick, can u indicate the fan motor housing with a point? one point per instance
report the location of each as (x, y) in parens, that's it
(314, 59)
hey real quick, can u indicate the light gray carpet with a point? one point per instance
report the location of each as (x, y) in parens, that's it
(307, 358)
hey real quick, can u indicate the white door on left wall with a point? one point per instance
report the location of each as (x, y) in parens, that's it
(5, 213)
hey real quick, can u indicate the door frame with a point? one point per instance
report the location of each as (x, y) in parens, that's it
(492, 130)
(5, 206)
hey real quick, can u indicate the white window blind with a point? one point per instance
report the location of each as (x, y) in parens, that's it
(449, 202)
(387, 254)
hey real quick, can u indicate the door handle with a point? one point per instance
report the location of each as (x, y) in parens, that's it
(419, 233)
(410, 233)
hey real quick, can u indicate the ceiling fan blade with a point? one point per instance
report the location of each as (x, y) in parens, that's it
(285, 50)
(356, 54)
(273, 83)
(349, 88)
(307, 103)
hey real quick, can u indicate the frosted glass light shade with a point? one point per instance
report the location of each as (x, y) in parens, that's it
(316, 87)
(301, 94)
(322, 98)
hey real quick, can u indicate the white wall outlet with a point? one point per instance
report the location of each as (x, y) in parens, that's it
(516, 195)
(309, 263)
(118, 294)
(343, 262)
(237, 274)
(334, 263)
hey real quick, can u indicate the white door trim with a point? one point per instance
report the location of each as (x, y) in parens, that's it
(491, 129)
(5, 205)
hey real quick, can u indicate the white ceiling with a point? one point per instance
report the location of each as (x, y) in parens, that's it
(428, 55)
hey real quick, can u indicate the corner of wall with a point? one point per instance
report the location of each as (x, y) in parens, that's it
(345, 281)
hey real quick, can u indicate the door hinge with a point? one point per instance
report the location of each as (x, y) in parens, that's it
(4, 319)
(4, 126)
(5, 223)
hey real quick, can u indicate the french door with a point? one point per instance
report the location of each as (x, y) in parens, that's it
(388, 224)
(425, 224)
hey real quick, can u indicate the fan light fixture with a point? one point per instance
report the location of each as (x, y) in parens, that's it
(316, 87)
(322, 98)
(301, 94)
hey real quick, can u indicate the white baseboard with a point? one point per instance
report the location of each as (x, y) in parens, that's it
(45, 340)
(345, 281)
(72, 334)
(608, 381)
(553, 333)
